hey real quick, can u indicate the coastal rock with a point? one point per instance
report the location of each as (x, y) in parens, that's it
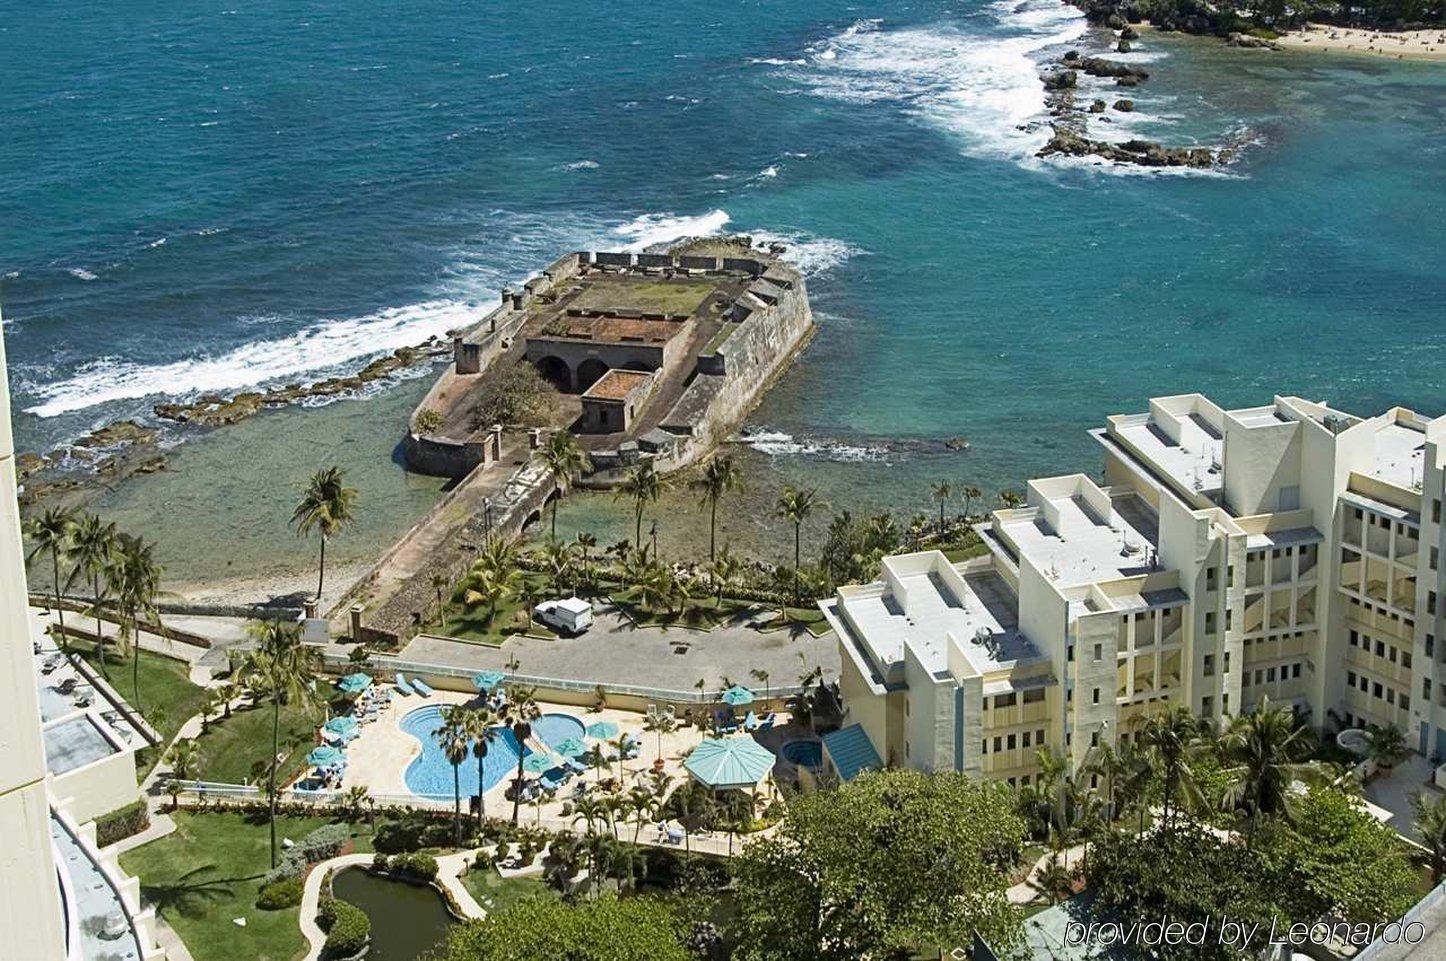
(1129, 33)
(28, 463)
(1063, 80)
(1099, 67)
(1071, 56)
(1123, 46)
(1127, 82)
(1145, 153)
(1249, 42)
(120, 433)
(956, 443)
(1125, 106)
(1098, 106)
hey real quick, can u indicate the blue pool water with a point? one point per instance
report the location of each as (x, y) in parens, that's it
(807, 754)
(430, 773)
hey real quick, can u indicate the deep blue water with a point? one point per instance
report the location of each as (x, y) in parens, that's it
(203, 197)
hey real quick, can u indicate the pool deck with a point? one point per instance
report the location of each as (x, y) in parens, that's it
(377, 760)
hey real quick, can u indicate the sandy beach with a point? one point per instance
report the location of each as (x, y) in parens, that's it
(1403, 45)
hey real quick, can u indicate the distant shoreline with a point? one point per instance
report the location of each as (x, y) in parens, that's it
(1429, 45)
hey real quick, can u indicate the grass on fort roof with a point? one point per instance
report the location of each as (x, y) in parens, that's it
(470, 624)
(208, 872)
(233, 748)
(670, 297)
(168, 698)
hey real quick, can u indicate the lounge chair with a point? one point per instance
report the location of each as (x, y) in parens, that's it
(767, 721)
(673, 833)
(404, 685)
(422, 687)
(750, 723)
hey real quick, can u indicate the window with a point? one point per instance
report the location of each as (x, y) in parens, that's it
(1207, 705)
(1094, 742)
(1430, 645)
(1295, 670)
(1435, 557)
(1004, 700)
(1227, 662)
(1350, 678)
(984, 748)
(1436, 510)
(1025, 740)
(1099, 651)
(1210, 578)
(1376, 690)
(1010, 743)
(1069, 654)
(1406, 659)
(1034, 696)
(1209, 622)
(1289, 498)
(1405, 703)
(1095, 696)
(1209, 665)
(1270, 675)
(1039, 737)
(1390, 695)
(1426, 688)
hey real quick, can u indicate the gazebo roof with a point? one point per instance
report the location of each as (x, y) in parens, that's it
(730, 762)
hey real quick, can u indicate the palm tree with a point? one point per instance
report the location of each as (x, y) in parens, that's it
(795, 506)
(1011, 499)
(941, 492)
(519, 714)
(1171, 740)
(182, 758)
(642, 486)
(135, 580)
(1053, 880)
(1386, 744)
(723, 571)
(92, 544)
(439, 584)
(485, 584)
(1431, 825)
(282, 668)
(1267, 751)
(762, 676)
(451, 737)
(659, 723)
(1111, 766)
(971, 494)
(718, 478)
(567, 461)
(51, 532)
(558, 559)
(585, 544)
(326, 506)
(480, 724)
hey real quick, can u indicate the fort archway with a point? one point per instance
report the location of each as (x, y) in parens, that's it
(589, 372)
(556, 372)
(640, 365)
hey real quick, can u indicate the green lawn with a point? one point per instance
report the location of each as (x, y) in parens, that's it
(675, 297)
(471, 625)
(957, 554)
(496, 893)
(704, 613)
(208, 872)
(232, 747)
(168, 698)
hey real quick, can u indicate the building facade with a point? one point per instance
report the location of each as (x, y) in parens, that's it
(1290, 551)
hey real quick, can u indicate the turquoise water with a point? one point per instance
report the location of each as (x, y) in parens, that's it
(204, 199)
(430, 773)
(807, 754)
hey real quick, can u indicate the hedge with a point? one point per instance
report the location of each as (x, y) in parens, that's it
(285, 893)
(347, 928)
(423, 867)
(121, 823)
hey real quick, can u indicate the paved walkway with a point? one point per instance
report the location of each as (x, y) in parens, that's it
(1024, 892)
(615, 651)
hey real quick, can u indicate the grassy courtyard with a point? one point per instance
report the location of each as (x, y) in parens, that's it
(208, 872)
(232, 748)
(496, 893)
(652, 296)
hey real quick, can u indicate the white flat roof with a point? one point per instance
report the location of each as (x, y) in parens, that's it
(1193, 463)
(1085, 549)
(1400, 456)
(935, 612)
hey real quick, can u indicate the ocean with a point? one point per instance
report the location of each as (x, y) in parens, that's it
(203, 200)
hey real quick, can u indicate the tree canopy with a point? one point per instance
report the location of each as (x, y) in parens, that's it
(608, 929)
(892, 861)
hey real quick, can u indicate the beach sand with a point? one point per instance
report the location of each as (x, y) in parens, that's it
(1405, 45)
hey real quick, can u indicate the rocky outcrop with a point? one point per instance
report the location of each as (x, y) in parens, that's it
(1145, 153)
(1063, 80)
(1100, 67)
(1249, 42)
(1125, 106)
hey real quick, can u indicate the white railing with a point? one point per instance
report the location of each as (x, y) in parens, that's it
(384, 664)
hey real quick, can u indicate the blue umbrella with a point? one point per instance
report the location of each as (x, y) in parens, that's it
(737, 696)
(324, 755)
(341, 726)
(487, 680)
(536, 763)
(571, 747)
(354, 683)
(602, 730)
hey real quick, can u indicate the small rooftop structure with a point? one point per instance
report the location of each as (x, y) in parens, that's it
(849, 752)
(729, 762)
(1079, 533)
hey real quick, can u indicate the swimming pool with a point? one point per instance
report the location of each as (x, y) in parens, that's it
(807, 754)
(430, 773)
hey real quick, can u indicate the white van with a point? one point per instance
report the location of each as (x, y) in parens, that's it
(571, 615)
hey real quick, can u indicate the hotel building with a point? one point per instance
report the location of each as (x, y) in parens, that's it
(1290, 551)
(67, 755)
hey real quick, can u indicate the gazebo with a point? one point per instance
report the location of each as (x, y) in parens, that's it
(354, 684)
(729, 763)
(487, 680)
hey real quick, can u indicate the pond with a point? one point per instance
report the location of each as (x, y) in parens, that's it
(408, 920)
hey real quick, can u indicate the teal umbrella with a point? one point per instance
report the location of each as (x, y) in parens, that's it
(602, 730)
(324, 755)
(737, 696)
(355, 683)
(340, 726)
(536, 763)
(730, 762)
(572, 747)
(487, 680)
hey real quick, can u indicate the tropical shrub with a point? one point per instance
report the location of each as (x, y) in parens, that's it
(285, 893)
(121, 823)
(325, 842)
(347, 927)
(423, 867)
